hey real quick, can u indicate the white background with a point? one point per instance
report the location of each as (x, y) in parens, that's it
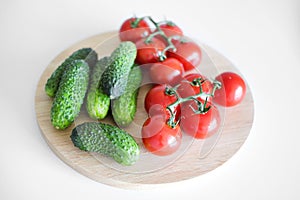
(260, 36)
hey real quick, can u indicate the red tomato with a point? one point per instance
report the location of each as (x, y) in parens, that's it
(149, 53)
(233, 89)
(157, 100)
(130, 31)
(199, 126)
(186, 89)
(188, 53)
(159, 138)
(169, 71)
(171, 29)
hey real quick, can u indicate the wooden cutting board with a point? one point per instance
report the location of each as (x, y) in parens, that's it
(194, 158)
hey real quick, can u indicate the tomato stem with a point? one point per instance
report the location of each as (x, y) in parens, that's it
(136, 22)
(201, 106)
(149, 38)
(162, 55)
(217, 85)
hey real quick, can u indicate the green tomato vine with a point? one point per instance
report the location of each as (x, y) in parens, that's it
(202, 107)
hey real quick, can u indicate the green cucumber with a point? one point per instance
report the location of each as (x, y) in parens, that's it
(114, 78)
(106, 139)
(124, 107)
(87, 54)
(97, 104)
(70, 94)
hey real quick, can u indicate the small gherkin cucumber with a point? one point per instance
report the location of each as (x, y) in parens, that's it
(114, 79)
(70, 94)
(87, 54)
(106, 139)
(124, 107)
(97, 104)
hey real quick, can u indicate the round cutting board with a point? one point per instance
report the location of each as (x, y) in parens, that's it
(194, 158)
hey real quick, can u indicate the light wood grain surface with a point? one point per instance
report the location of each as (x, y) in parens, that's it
(194, 158)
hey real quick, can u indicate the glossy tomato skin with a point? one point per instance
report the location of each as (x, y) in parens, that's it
(169, 71)
(186, 89)
(200, 126)
(188, 53)
(128, 32)
(233, 89)
(157, 100)
(159, 138)
(171, 29)
(149, 53)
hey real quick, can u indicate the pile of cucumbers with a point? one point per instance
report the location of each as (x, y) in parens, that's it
(108, 82)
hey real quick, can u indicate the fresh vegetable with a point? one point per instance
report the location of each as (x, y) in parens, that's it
(233, 91)
(179, 102)
(190, 86)
(159, 138)
(97, 103)
(106, 139)
(165, 41)
(87, 54)
(171, 29)
(169, 71)
(157, 100)
(187, 52)
(199, 125)
(199, 117)
(134, 29)
(149, 51)
(124, 107)
(114, 79)
(70, 94)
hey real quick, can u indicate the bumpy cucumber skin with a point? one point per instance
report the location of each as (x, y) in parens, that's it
(106, 139)
(114, 79)
(70, 94)
(87, 54)
(124, 107)
(97, 104)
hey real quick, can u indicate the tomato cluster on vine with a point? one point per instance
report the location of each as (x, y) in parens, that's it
(181, 100)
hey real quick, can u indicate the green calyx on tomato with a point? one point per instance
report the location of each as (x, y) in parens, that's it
(199, 126)
(158, 138)
(135, 22)
(198, 82)
(134, 29)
